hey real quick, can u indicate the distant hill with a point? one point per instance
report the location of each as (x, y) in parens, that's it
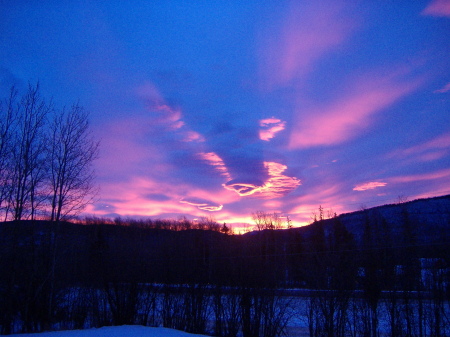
(429, 220)
(146, 254)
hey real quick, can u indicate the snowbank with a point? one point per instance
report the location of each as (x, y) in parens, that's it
(114, 331)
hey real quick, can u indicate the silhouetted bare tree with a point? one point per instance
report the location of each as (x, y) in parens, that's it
(28, 153)
(265, 220)
(7, 129)
(73, 150)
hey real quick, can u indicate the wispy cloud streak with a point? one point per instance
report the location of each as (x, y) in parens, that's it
(438, 8)
(202, 204)
(444, 89)
(433, 149)
(421, 177)
(369, 186)
(309, 31)
(215, 161)
(269, 127)
(166, 115)
(347, 116)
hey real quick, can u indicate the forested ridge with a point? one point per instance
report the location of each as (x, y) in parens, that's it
(62, 274)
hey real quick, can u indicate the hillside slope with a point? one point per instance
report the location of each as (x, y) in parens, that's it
(429, 219)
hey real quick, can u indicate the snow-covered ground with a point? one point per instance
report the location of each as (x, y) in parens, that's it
(114, 331)
(135, 331)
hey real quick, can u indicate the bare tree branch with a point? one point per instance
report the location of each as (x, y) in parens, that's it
(73, 150)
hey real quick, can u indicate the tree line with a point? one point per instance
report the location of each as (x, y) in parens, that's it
(46, 156)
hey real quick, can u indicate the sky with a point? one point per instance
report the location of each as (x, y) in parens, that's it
(224, 108)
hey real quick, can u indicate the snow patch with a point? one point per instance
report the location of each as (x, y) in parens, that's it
(114, 331)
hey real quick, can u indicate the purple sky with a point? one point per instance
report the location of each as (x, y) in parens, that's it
(225, 108)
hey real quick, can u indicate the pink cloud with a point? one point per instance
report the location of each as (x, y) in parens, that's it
(268, 121)
(438, 8)
(444, 89)
(202, 204)
(122, 148)
(128, 198)
(133, 197)
(441, 142)
(214, 160)
(277, 184)
(369, 186)
(308, 31)
(269, 127)
(350, 114)
(155, 102)
(328, 195)
(168, 116)
(191, 136)
(151, 95)
(421, 177)
(244, 187)
(433, 149)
